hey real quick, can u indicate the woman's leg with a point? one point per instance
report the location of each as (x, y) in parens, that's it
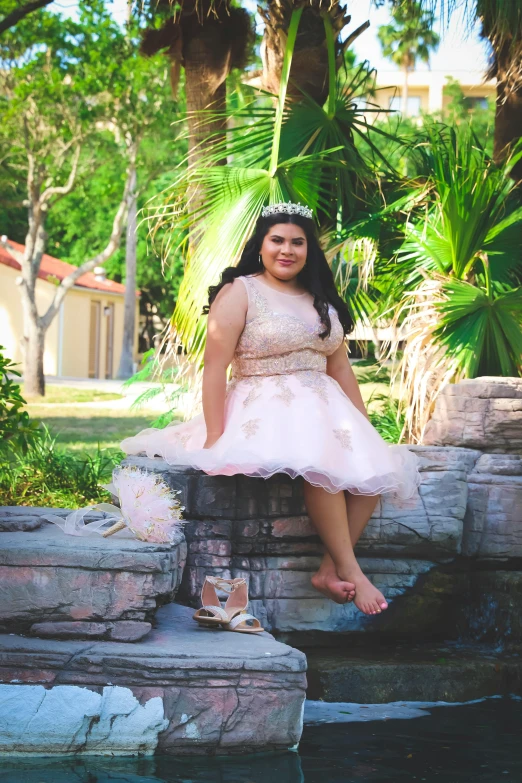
(328, 513)
(359, 509)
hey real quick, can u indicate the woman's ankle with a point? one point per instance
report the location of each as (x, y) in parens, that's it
(350, 572)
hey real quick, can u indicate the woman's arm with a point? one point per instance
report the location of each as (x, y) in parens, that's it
(340, 369)
(226, 321)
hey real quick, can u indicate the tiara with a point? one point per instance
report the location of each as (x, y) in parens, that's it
(289, 209)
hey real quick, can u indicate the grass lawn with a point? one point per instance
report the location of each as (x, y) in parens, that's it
(66, 394)
(82, 428)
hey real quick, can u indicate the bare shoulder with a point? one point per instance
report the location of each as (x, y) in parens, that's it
(231, 302)
(232, 295)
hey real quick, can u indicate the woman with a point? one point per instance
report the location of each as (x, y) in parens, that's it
(293, 404)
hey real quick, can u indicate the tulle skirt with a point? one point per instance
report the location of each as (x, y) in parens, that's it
(301, 424)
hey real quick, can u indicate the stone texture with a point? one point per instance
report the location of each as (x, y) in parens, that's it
(220, 692)
(493, 522)
(48, 577)
(259, 530)
(413, 672)
(481, 413)
(69, 719)
(122, 631)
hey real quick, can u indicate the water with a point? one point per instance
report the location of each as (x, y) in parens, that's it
(476, 743)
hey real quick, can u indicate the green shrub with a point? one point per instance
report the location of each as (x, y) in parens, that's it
(17, 432)
(47, 475)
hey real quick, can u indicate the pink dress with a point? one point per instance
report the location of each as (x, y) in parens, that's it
(283, 413)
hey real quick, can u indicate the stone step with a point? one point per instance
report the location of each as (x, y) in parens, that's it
(60, 586)
(411, 672)
(183, 690)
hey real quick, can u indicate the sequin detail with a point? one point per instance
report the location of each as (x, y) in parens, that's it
(345, 438)
(255, 392)
(274, 343)
(250, 427)
(315, 381)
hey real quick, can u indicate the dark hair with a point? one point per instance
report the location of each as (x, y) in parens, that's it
(316, 276)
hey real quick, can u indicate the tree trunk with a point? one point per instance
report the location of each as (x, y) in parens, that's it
(126, 368)
(508, 115)
(205, 81)
(33, 344)
(309, 70)
(205, 88)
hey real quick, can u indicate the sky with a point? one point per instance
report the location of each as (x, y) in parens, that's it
(460, 49)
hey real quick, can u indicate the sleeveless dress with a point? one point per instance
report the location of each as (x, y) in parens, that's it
(283, 413)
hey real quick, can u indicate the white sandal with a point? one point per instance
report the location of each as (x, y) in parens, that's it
(212, 613)
(244, 623)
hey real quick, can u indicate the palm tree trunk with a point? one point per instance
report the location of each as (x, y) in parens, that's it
(205, 89)
(309, 69)
(508, 115)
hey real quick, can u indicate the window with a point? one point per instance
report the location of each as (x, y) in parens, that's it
(414, 104)
(475, 102)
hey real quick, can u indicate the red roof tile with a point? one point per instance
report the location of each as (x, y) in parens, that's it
(54, 268)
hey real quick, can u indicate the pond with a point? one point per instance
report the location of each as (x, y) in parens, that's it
(473, 743)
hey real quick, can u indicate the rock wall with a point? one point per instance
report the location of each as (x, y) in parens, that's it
(259, 530)
(479, 413)
(183, 690)
(423, 553)
(58, 586)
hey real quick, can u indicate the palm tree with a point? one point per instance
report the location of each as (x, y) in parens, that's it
(458, 275)
(208, 38)
(299, 150)
(310, 67)
(409, 38)
(501, 22)
(502, 26)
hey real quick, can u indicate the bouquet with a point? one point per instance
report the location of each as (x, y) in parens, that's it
(148, 508)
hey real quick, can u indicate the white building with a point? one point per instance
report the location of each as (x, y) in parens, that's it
(426, 89)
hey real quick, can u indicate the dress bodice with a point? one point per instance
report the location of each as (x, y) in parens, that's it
(281, 333)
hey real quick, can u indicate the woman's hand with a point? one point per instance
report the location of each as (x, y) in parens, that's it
(211, 439)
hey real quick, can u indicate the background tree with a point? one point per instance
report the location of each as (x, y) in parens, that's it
(13, 11)
(310, 66)
(207, 38)
(100, 100)
(55, 97)
(410, 37)
(501, 25)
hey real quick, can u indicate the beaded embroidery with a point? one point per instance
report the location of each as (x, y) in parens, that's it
(344, 437)
(250, 427)
(286, 394)
(277, 343)
(255, 392)
(315, 381)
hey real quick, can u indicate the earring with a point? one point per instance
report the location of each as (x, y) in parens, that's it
(260, 260)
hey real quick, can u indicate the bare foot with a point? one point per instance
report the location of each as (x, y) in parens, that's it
(367, 598)
(329, 584)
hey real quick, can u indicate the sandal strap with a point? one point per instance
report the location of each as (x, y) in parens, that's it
(217, 611)
(241, 618)
(227, 585)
